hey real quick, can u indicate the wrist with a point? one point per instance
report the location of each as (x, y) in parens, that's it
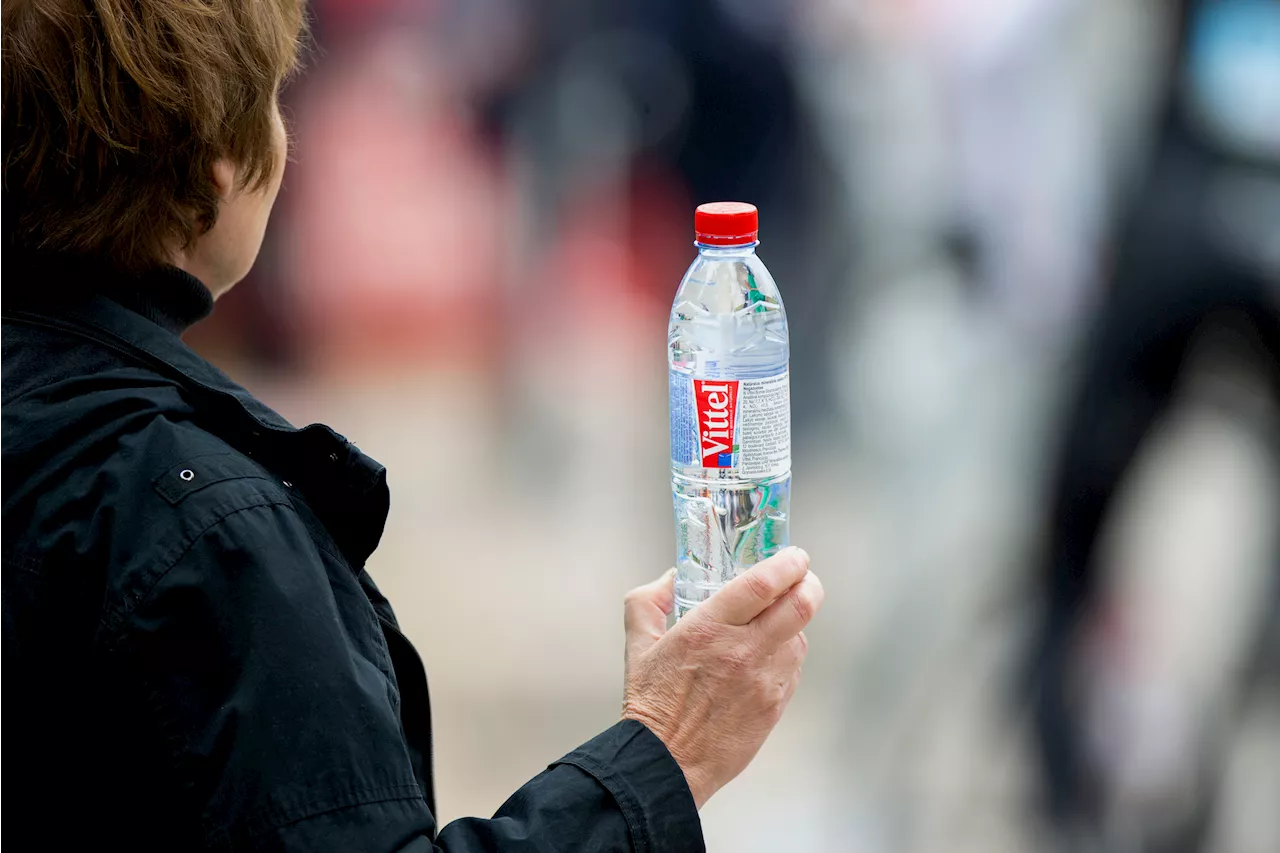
(699, 783)
(698, 780)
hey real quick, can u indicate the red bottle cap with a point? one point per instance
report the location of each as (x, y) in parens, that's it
(726, 223)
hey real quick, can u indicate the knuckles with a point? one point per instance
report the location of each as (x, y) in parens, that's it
(773, 696)
(698, 635)
(740, 660)
(759, 586)
(804, 602)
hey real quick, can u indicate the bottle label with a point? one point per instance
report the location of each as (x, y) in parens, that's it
(743, 425)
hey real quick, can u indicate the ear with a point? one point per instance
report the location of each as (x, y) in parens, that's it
(223, 173)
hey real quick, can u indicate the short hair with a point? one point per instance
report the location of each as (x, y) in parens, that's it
(116, 110)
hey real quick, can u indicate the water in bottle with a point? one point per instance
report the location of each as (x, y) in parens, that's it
(727, 352)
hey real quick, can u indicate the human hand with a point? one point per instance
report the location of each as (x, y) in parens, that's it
(715, 685)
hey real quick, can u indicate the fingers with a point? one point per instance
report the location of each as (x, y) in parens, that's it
(792, 653)
(645, 612)
(789, 690)
(785, 665)
(784, 619)
(744, 597)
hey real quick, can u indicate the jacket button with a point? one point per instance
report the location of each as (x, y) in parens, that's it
(187, 474)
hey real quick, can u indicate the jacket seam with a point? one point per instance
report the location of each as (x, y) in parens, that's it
(117, 617)
(137, 354)
(74, 333)
(621, 792)
(317, 540)
(274, 818)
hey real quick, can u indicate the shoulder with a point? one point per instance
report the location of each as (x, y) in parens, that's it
(111, 476)
(179, 495)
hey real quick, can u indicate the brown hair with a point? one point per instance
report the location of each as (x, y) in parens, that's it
(115, 111)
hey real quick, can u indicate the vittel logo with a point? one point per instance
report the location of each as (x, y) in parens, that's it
(717, 419)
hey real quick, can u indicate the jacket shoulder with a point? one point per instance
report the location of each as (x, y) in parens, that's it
(180, 499)
(110, 478)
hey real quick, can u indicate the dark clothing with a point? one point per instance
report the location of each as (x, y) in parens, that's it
(1172, 285)
(194, 656)
(1175, 278)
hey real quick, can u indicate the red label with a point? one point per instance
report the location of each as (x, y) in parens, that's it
(717, 418)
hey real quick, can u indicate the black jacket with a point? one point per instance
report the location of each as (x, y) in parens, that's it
(194, 656)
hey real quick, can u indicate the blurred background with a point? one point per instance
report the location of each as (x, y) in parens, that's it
(1030, 252)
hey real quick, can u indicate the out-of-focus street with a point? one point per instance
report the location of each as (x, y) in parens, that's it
(489, 208)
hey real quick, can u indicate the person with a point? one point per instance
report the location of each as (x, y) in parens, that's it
(1195, 255)
(194, 655)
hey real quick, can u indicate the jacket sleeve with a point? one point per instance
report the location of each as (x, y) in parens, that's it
(283, 735)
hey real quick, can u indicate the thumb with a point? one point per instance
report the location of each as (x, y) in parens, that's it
(645, 612)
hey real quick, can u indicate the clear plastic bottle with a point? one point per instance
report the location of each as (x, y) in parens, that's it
(727, 352)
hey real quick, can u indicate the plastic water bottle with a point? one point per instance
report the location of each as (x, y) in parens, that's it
(727, 353)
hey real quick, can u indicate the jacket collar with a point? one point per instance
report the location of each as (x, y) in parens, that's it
(171, 298)
(346, 488)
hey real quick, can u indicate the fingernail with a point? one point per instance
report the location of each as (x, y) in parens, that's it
(801, 554)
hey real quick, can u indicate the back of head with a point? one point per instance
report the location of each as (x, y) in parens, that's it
(114, 112)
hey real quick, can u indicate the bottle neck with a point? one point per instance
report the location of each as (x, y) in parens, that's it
(709, 251)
